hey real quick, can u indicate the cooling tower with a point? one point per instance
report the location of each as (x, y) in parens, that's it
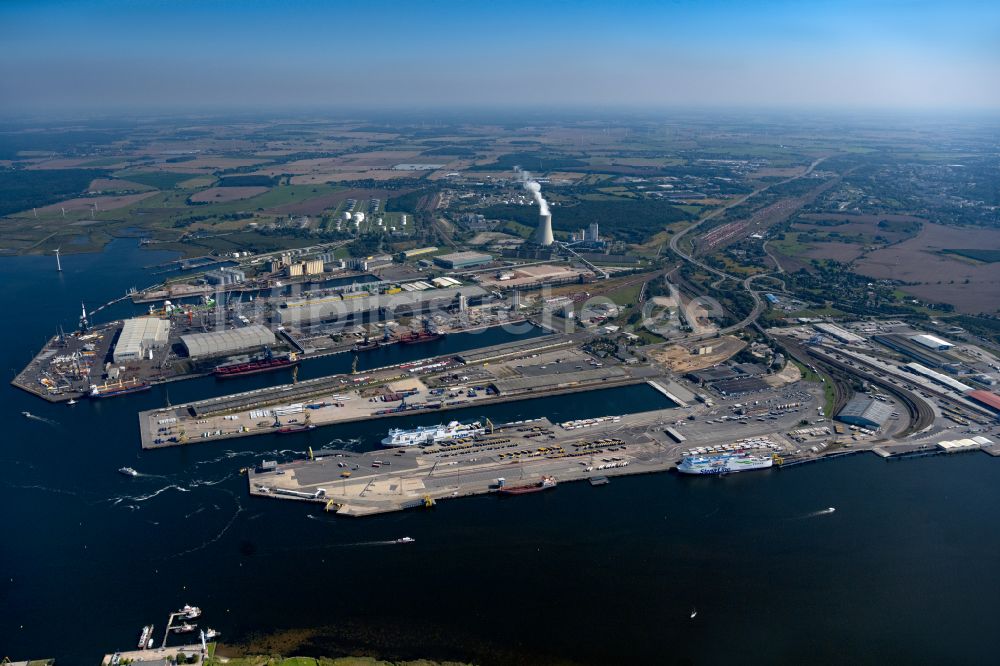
(544, 234)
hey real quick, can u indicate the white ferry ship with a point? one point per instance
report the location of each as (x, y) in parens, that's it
(726, 463)
(426, 435)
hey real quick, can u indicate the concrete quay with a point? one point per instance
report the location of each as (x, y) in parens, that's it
(427, 386)
(521, 453)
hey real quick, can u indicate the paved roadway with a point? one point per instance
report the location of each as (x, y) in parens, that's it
(758, 307)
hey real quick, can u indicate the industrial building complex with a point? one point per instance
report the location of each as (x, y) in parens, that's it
(865, 412)
(221, 343)
(140, 336)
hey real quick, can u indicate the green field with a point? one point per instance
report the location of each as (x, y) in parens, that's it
(984, 256)
(161, 180)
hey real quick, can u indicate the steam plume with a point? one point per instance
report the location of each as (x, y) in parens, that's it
(536, 191)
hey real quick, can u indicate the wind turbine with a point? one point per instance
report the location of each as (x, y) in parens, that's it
(58, 263)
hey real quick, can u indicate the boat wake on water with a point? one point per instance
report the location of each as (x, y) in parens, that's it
(143, 498)
(227, 455)
(35, 417)
(221, 533)
(201, 482)
(822, 512)
(345, 444)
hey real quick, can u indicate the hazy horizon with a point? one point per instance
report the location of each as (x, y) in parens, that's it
(109, 55)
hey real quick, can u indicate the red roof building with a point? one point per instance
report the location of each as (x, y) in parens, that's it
(987, 398)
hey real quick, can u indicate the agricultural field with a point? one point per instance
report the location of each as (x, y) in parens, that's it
(930, 272)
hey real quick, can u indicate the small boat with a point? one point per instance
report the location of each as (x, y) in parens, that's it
(71, 402)
(128, 471)
(146, 637)
(212, 633)
(288, 430)
(190, 612)
(694, 613)
(185, 628)
(27, 415)
(405, 540)
(598, 480)
(547, 483)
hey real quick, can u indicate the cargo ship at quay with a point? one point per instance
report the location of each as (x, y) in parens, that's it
(427, 435)
(119, 389)
(255, 367)
(725, 463)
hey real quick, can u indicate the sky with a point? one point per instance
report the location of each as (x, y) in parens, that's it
(296, 54)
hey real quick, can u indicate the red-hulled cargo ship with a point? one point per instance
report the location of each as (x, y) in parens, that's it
(254, 367)
(423, 336)
(546, 483)
(289, 430)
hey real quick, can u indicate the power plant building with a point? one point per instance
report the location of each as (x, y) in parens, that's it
(221, 343)
(865, 412)
(543, 236)
(459, 260)
(139, 336)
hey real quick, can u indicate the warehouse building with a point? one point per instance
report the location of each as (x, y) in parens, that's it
(919, 352)
(459, 260)
(417, 251)
(986, 399)
(139, 336)
(356, 306)
(932, 342)
(221, 343)
(841, 334)
(942, 379)
(865, 412)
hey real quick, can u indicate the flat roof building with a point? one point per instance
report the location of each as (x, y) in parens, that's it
(221, 343)
(139, 336)
(839, 333)
(932, 342)
(458, 260)
(357, 305)
(985, 398)
(865, 412)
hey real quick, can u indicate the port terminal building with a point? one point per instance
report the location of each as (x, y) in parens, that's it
(139, 336)
(222, 343)
(865, 412)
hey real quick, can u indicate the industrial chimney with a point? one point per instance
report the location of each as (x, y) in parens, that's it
(544, 234)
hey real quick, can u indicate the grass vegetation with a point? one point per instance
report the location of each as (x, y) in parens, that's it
(829, 394)
(633, 221)
(161, 180)
(984, 256)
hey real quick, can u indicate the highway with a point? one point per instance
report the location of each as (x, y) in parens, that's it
(758, 306)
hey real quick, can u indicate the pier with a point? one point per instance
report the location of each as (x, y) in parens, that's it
(428, 386)
(519, 454)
